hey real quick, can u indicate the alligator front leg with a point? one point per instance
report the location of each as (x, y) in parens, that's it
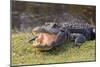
(78, 39)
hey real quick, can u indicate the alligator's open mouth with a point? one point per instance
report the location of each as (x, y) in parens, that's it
(43, 40)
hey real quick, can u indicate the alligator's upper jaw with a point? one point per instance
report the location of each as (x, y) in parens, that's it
(38, 30)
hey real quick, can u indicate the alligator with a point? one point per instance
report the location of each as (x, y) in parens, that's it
(53, 34)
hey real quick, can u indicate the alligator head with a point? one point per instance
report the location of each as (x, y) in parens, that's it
(44, 40)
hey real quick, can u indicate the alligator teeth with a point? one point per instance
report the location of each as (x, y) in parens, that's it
(35, 43)
(34, 33)
(40, 46)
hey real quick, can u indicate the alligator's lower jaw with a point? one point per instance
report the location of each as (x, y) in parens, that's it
(37, 46)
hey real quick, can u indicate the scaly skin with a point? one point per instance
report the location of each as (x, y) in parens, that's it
(63, 32)
(81, 28)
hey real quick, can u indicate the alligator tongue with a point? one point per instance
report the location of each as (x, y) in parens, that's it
(43, 41)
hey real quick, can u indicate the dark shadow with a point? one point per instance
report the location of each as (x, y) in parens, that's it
(58, 49)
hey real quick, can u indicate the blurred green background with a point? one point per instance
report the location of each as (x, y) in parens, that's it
(26, 15)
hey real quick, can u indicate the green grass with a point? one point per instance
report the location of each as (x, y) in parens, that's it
(24, 53)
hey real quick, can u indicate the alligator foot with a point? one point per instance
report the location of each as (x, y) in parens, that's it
(78, 39)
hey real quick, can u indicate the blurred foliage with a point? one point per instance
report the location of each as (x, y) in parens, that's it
(39, 13)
